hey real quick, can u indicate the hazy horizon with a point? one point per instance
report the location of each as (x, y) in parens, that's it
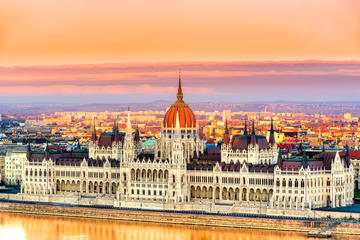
(130, 51)
(304, 81)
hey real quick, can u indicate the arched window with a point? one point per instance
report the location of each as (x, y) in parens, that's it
(124, 176)
(173, 178)
(284, 183)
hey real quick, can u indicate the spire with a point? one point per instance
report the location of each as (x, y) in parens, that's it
(137, 134)
(272, 137)
(47, 152)
(253, 136)
(128, 124)
(78, 144)
(245, 129)
(272, 126)
(253, 128)
(115, 127)
(47, 146)
(347, 156)
(279, 161)
(180, 93)
(93, 136)
(28, 153)
(226, 127)
(29, 147)
(305, 162)
(226, 135)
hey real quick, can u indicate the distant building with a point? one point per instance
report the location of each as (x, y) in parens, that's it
(226, 115)
(347, 116)
(14, 162)
(2, 168)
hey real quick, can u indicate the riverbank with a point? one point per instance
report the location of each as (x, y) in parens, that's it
(179, 218)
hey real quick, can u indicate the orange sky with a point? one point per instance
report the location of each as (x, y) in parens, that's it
(36, 32)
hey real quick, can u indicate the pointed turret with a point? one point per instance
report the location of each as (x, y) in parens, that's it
(226, 127)
(78, 144)
(28, 152)
(93, 135)
(272, 136)
(305, 161)
(347, 156)
(137, 134)
(245, 129)
(226, 135)
(47, 151)
(116, 130)
(180, 93)
(253, 128)
(29, 146)
(280, 159)
(115, 126)
(253, 136)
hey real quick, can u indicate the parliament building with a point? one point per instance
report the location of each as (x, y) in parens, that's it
(249, 172)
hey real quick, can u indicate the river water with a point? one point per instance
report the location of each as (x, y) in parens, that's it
(21, 226)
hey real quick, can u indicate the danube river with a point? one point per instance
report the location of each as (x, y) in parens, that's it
(20, 227)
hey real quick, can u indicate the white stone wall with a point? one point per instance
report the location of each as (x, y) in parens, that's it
(14, 161)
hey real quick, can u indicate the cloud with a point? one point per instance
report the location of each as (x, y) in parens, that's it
(220, 81)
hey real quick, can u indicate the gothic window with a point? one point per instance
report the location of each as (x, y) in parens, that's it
(173, 178)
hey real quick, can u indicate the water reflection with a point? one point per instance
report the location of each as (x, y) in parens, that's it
(19, 226)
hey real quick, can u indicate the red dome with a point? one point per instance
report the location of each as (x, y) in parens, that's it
(186, 115)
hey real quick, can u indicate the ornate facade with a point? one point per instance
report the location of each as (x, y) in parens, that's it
(248, 171)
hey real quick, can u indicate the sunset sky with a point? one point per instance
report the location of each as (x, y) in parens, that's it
(131, 50)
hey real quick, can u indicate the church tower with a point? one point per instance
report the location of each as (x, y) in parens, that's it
(129, 146)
